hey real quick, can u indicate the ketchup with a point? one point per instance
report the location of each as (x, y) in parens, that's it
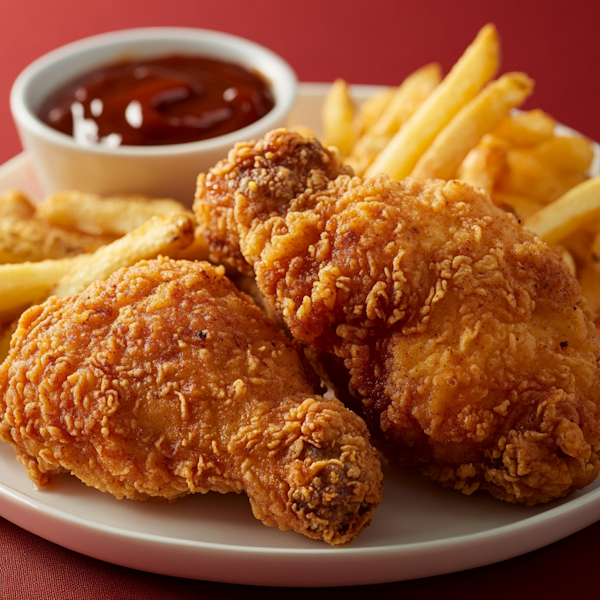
(166, 100)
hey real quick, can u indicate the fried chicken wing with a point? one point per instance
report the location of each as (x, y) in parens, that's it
(463, 339)
(165, 380)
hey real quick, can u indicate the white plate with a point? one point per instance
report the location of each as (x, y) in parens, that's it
(419, 530)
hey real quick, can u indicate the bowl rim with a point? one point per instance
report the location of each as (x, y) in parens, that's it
(284, 85)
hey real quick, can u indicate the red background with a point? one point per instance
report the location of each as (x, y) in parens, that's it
(556, 42)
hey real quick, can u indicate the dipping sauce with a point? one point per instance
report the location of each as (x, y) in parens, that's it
(155, 101)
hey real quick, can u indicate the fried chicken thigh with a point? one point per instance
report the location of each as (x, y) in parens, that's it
(165, 380)
(463, 339)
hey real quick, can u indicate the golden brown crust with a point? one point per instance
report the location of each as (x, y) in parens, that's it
(165, 380)
(465, 337)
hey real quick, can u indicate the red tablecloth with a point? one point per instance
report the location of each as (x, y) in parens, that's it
(365, 41)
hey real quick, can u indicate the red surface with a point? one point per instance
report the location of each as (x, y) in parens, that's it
(365, 41)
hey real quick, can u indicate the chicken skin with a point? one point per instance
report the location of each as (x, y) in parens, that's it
(463, 340)
(165, 380)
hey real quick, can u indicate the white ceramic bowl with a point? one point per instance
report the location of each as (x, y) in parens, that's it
(167, 171)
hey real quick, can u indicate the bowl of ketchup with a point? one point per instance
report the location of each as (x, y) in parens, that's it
(144, 111)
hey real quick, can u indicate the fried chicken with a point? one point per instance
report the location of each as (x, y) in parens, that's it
(463, 339)
(164, 380)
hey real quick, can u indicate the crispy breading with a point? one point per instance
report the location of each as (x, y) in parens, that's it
(164, 380)
(464, 338)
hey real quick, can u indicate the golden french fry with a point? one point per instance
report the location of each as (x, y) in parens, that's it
(23, 240)
(522, 206)
(556, 221)
(371, 109)
(411, 93)
(572, 153)
(99, 215)
(15, 204)
(165, 234)
(529, 176)
(482, 166)
(442, 159)
(406, 99)
(526, 129)
(473, 70)
(27, 283)
(338, 118)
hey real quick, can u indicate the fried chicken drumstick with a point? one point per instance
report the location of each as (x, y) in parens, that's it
(463, 339)
(165, 380)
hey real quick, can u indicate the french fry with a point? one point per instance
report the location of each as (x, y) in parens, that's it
(556, 221)
(442, 159)
(166, 234)
(371, 109)
(529, 176)
(114, 216)
(406, 99)
(571, 153)
(16, 205)
(473, 70)
(23, 240)
(522, 206)
(526, 129)
(483, 165)
(338, 118)
(27, 283)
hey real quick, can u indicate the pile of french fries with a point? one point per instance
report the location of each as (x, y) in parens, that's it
(467, 126)
(71, 239)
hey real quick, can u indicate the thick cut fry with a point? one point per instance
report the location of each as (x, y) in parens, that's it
(27, 283)
(529, 176)
(471, 123)
(338, 118)
(526, 129)
(15, 204)
(483, 165)
(23, 240)
(166, 235)
(473, 70)
(561, 218)
(406, 100)
(94, 214)
(571, 153)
